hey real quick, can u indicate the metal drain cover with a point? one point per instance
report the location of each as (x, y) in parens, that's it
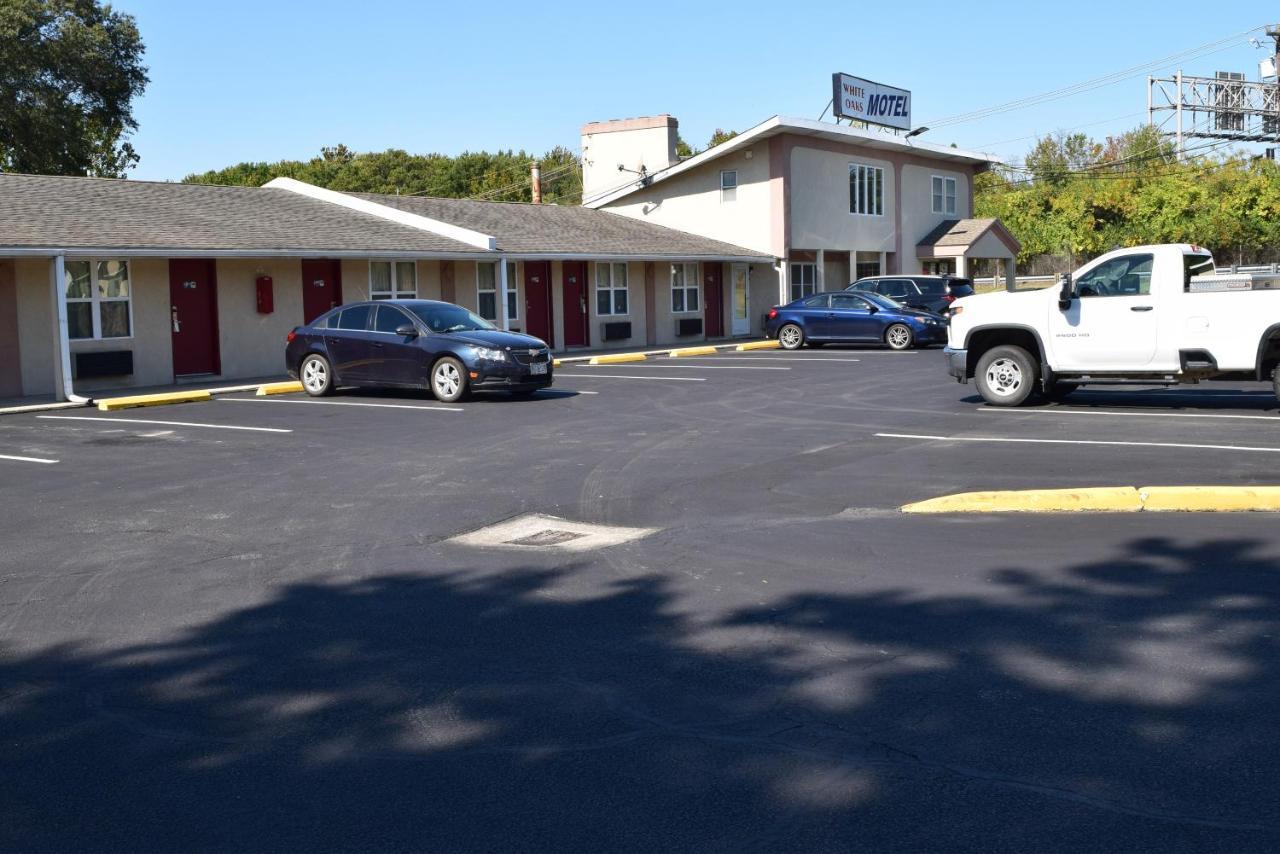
(538, 531)
(549, 537)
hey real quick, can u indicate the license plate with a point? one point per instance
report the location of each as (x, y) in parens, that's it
(538, 368)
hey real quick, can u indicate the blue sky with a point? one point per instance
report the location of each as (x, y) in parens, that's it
(234, 80)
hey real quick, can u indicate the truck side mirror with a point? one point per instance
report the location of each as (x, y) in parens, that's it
(1067, 293)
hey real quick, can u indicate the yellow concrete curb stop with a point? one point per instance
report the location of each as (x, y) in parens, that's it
(1108, 499)
(279, 388)
(555, 363)
(617, 359)
(112, 403)
(693, 351)
(758, 345)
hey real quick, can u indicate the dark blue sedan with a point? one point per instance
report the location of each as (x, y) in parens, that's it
(414, 344)
(844, 317)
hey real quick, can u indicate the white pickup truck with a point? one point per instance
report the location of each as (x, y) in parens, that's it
(1150, 315)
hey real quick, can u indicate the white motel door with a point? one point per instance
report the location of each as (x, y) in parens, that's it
(741, 276)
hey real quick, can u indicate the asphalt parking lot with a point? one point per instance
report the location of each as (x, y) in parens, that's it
(286, 624)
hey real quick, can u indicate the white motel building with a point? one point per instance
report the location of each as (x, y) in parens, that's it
(108, 284)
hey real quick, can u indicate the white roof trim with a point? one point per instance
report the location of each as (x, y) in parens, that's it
(802, 127)
(421, 223)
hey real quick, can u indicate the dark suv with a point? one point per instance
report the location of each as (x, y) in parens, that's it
(933, 293)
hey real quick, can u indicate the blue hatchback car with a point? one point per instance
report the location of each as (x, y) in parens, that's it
(845, 317)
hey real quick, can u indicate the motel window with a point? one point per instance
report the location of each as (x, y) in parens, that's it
(804, 280)
(729, 185)
(684, 287)
(944, 195)
(98, 304)
(487, 291)
(393, 280)
(866, 190)
(611, 288)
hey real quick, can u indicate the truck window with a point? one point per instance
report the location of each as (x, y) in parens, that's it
(1195, 265)
(1126, 276)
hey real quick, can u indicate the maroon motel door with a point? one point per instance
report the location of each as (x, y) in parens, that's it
(537, 299)
(575, 303)
(193, 316)
(713, 296)
(321, 288)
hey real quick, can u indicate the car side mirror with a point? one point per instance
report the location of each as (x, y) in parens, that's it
(872, 308)
(1067, 292)
(407, 330)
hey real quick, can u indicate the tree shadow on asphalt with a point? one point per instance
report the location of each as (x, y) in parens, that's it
(1125, 705)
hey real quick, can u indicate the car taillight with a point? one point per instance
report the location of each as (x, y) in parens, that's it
(293, 333)
(948, 298)
(773, 312)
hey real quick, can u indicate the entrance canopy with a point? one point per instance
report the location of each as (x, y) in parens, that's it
(963, 240)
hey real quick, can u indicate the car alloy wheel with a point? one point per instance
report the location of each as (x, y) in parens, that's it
(790, 337)
(1004, 377)
(448, 380)
(315, 376)
(898, 337)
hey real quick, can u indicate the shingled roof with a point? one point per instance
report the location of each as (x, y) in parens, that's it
(46, 212)
(52, 213)
(523, 228)
(966, 232)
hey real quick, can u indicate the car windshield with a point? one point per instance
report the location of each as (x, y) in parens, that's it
(882, 300)
(449, 318)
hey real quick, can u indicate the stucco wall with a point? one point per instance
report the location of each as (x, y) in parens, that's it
(691, 201)
(918, 218)
(252, 344)
(819, 192)
(35, 319)
(10, 352)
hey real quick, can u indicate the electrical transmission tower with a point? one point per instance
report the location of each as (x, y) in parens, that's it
(1225, 106)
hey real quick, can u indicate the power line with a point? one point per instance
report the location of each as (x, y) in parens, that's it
(1095, 83)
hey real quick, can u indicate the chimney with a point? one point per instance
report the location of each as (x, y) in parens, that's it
(535, 176)
(617, 152)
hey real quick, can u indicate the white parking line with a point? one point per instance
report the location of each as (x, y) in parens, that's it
(1074, 442)
(343, 403)
(1064, 411)
(697, 367)
(626, 377)
(27, 459)
(166, 423)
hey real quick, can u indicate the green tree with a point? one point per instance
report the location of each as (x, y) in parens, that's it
(721, 136)
(69, 71)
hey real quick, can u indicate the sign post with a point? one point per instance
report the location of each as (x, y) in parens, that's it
(873, 103)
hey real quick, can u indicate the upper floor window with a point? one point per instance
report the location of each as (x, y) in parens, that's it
(944, 195)
(804, 280)
(393, 280)
(487, 290)
(729, 185)
(98, 304)
(611, 288)
(866, 190)
(684, 287)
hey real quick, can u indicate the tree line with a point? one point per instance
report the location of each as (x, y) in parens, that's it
(1074, 198)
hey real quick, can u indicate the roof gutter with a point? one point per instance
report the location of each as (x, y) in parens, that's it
(189, 252)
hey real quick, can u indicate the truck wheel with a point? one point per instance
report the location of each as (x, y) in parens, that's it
(1006, 376)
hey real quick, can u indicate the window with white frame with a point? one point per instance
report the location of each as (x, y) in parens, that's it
(729, 185)
(944, 195)
(866, 190)
(487, 291)
(393, 280)
(804, 280)
(684, 288)
(98, 304)
(611, 288)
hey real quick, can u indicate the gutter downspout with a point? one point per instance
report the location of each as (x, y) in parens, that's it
(503, 284)
(62, 355)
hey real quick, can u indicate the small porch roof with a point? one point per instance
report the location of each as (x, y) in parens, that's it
(969, 238)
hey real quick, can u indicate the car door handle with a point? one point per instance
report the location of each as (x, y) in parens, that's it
(1141, 307)
(377, 345)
